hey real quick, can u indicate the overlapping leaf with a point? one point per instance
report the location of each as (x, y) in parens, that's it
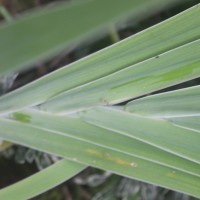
(187, 122)
(180, 107)
(160, 148)
(178, 103)
(98, 156)
(156, 132)
(167, 69)
(86, 132)
(144, 45)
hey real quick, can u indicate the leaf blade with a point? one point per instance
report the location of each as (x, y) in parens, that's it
(178, 103)
(42, 181)
(22, 41)
(157, 132)
(99, 157)
(173, 67)
(95, 135)
(143, 45)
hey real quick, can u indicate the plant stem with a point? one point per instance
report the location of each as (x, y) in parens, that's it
(114, 34)
(4, 12)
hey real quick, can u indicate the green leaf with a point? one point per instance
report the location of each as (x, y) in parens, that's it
(75, 128)
(181, 107)
(157, 132)
(46, 32)
(167, 69)
(42, 181)
(100, 157)
(165, 151)
(149, 43)
(178, 103)
(187, 122)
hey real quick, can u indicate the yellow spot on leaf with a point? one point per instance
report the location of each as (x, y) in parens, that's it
(172, 174)
(108, 157)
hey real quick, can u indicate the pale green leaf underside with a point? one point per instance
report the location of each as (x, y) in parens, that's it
(48, 31)
(144, 45)
(41, 181)
(59, 143)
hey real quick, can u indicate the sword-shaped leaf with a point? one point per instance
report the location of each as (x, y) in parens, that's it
(181, 107)
(170, 68)
(42, 181)
(149, 43)
(179, 103)
(45, 32)
(157, 132)
(76, 128)
(100, 157)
